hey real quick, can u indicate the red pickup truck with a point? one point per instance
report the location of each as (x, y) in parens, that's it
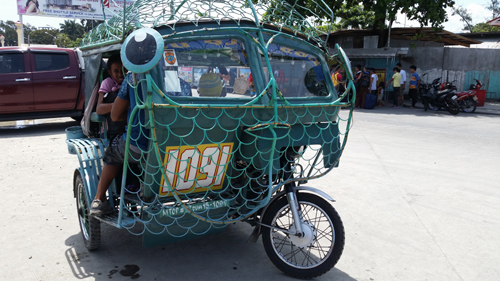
(38, 82)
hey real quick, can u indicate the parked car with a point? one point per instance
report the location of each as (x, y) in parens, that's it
(38, 82)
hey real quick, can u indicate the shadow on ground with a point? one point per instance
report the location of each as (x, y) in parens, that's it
(40, 127)
(419, 111)
(223, 256)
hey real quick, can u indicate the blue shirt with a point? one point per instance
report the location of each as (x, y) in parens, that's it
(414, 80)
(185, 90)
(139, 133)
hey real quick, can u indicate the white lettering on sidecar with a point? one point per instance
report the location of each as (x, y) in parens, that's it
(196, 208)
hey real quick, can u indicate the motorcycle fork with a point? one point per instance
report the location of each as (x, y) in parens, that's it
(291, 195)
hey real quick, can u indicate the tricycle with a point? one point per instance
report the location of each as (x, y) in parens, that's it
(239, 112)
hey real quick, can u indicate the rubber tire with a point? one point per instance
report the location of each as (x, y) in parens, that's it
(468, 105)
(89, 226)
(426, 105)
(453, 107)
(338, 245)
(432, 107)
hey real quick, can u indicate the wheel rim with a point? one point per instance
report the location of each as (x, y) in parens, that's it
(309, 251)
(468, 105)
(83, 214)
(432, 107)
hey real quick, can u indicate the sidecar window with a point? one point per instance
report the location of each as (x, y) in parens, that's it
(298, 74)
(207, 68)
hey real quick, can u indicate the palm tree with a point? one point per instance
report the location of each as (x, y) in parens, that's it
(72, 29)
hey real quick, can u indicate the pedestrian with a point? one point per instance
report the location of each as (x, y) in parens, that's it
(396, 79)
(357, 76)
(337, 78)
(373, 81)
(414, 84)
(380, 91)
(364, 83)
(401, 98)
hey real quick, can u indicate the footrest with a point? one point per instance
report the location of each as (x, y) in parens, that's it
(112, 219)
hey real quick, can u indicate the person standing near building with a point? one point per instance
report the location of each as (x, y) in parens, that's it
(357, 82)
(337, 78)
(373, 81)
(401, 98)
(414, 84)
(396, 79)
(364, 84)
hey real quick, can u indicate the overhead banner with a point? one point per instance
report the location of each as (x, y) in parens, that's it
(76, 9)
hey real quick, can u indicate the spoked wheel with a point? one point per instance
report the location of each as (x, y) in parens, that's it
(453, 107)
(468, 105)
(90, 226)
(321, 245)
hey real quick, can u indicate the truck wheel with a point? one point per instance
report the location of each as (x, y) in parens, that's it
(317, 251)
(90, 226)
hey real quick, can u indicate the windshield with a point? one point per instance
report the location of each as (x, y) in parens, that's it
(297, 73)
(221, 68)
(206, 68)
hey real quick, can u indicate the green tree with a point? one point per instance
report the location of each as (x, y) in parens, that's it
(494, 7)
(8, 29)
(464, 17)
(426, 12)
(88, 25)
(64, 40)
(354, 17)
(46, 37)
(72, 29)
(484, 27)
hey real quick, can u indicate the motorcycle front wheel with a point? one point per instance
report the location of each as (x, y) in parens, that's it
(453, 107)
(426, 105)
(432, 106)
(468, 105)
(320, 246)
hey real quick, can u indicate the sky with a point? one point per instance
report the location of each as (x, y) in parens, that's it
(476, 8)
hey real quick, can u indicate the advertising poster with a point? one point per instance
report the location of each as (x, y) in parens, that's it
(76, 9)
(186, 74)
(244, 73)
(381, 75)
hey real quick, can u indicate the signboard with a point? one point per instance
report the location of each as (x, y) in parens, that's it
(381, 73)
(76, 9)
(194, 169)
(186, 74)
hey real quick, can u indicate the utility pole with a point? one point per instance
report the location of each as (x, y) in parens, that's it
(22, 30)
(20, 33)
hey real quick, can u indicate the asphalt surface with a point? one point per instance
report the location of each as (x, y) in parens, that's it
(418, 192)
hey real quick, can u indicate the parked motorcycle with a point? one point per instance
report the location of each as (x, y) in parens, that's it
(468, 99)
(434, 99)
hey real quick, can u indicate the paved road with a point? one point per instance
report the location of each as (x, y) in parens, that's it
(419, 194)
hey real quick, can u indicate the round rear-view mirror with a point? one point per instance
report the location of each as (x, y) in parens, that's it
(142, 50)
